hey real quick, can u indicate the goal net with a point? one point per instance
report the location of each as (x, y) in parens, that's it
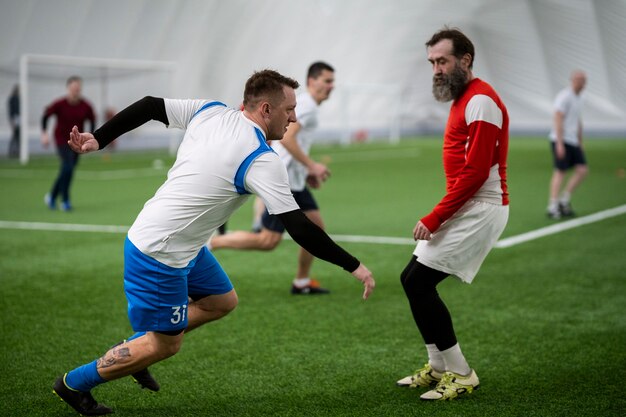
(369, 112)
(108, 84)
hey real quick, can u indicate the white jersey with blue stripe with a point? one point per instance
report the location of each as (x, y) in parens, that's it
(222, 159)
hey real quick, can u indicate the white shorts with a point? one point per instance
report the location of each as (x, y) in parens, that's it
(463, 241)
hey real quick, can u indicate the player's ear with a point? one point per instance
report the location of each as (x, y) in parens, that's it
(266, 109)
(466, 61)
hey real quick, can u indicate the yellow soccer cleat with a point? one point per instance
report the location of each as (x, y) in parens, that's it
(425, 377)
(451, 386)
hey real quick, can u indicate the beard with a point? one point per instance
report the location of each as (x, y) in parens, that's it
(448, 87)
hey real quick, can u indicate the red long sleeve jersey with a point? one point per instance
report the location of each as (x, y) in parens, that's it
(68, 115)
(475, 146)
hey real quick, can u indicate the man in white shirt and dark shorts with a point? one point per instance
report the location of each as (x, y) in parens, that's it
(566, 140)
(294, 151)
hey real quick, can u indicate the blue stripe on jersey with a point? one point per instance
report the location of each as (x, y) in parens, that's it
(243, 168)
(206, 106)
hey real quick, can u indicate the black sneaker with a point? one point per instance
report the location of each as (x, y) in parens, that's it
(312, 289)
(146, 380)
(566, 210)
(80, 401)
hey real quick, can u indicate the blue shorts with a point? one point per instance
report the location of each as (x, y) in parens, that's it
(573, 156)
(305, 201)
(158, 294)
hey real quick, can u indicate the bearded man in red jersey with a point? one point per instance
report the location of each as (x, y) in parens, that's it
(456, 236)
(70, 110)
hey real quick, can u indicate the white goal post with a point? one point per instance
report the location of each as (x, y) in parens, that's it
(370, 110)
(107, 83)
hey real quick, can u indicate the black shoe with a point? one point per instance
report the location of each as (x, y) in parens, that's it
(566, 210)
(146, 380)
(80, 401)
(312, 289)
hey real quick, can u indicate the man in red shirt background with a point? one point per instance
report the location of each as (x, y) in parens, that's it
(456, 236)
(70, 110)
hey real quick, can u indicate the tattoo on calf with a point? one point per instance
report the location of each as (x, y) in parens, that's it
(114, 356)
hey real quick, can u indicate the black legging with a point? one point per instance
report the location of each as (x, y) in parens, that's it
(429, 312)
(61, 186)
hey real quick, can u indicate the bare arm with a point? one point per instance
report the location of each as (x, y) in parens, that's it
(558, 130)
(290, 142)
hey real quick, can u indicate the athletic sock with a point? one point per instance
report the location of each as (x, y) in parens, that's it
(301, 282)
(455, 361)
(565, 197)
(435, 359)
(553, 205)
(84, 378)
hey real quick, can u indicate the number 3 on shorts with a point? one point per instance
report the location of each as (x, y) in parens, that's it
(179, 314)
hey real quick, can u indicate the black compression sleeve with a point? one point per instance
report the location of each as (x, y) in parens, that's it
(44, 122)
(312, 238)
(133, 116)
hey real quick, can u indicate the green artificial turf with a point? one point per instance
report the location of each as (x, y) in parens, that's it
(543, 324)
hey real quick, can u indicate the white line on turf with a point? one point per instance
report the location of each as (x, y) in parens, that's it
(63, 227)
(560, 227)
(120, 174)
(504, 243)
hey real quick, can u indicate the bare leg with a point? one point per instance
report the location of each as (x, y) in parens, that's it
(139, 353)
(264, 240)
(210, 308)
(555, 184)
(580, 172)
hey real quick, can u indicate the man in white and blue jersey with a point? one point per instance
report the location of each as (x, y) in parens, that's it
(172, 282)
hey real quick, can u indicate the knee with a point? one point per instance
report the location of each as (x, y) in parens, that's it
(228, 305)
(169, 348)
(416, 284)
(582, 170)
(269, 240)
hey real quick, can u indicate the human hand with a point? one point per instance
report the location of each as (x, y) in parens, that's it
(82, 142)
(320, 171)
(365, 276)
(313, 182)
(421, 232)
(560, 150)
(45, 139)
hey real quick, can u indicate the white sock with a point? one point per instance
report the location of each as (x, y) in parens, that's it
(301, 282)
(435, 359)
(455, 361)
(565, 197)
(553, 205)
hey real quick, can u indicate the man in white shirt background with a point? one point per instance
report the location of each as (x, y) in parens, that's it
(567, 146)
(294, 151)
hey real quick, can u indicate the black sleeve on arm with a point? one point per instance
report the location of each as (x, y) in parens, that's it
(133, 116)
(44, 122)
(312, 238)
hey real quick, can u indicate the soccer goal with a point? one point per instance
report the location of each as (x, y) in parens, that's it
(108, 84)
(370, 111)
